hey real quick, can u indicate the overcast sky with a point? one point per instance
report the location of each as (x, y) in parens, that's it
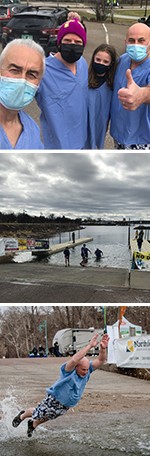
(96, 184)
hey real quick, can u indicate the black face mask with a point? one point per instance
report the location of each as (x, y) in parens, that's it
(71, 52)
(101, 79)
(99, 68)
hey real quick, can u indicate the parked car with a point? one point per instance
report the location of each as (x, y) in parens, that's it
(144, 20)
(6, 2)
(7, 11)
(41, 25)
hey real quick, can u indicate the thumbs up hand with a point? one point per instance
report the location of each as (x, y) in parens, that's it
(131, 95)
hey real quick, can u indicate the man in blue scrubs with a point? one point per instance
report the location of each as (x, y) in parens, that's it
(130, 112)
(22, 65)
(63, 92)
(68, 390)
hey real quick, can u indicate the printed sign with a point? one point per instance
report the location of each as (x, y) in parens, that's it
(11, 244)
(133, 352)
(30, 244)
(41, 244)
(22, 244)
(142, 255)
(2, 247)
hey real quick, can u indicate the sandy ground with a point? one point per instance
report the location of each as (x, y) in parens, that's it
(27, 379)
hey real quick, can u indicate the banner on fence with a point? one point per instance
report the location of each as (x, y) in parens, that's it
(133, 352)
(11, 243)
(22, 244)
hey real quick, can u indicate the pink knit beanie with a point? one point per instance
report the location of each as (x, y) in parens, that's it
(72, 26)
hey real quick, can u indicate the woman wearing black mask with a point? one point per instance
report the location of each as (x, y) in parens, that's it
(101, 75)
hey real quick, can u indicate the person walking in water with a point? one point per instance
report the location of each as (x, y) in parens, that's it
(67, 391)
(67, 256)
(98, 253)
(84, 254)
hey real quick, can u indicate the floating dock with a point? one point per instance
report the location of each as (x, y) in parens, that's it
(56, 248)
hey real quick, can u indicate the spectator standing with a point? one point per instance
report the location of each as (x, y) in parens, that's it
(140, 239)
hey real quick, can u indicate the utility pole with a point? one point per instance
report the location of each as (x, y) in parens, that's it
(146, 5)
(42, 326)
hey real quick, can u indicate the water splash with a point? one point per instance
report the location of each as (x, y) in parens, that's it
(9, 407)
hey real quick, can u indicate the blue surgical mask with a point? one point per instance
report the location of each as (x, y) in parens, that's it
(136, 52)
(16, 93)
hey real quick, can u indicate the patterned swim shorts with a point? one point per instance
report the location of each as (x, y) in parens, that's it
(132, 146)
(49, 409)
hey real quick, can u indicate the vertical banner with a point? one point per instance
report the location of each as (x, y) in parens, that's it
(105, 320)
(122, 310)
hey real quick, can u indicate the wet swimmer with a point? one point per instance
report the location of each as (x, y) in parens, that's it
(98, 253)
(67, 391)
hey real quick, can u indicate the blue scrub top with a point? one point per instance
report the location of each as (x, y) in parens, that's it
(63, 100)
(130, 127)
(70, 387)
(29, 138)
(98, 115)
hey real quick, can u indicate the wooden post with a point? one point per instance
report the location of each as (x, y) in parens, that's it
(129, 245)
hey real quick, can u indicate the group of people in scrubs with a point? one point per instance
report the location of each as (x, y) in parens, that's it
(76, 103)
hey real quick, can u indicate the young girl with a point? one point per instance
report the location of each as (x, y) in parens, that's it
(101, 75)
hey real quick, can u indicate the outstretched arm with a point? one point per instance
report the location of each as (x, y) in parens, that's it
(101, 358)
(72, 363)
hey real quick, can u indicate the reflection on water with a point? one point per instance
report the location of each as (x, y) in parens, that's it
(104, 434)
(112, 240)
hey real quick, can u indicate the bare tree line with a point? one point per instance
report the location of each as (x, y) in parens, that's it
(21, 326)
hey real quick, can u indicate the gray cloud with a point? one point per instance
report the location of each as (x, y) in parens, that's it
(99, 184)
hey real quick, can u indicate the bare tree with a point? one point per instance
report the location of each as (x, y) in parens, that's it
(19, 330)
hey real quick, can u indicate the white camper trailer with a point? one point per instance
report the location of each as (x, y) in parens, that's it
(71, 340)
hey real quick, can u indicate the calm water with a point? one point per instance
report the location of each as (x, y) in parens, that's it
(99, 434)
(112, 240)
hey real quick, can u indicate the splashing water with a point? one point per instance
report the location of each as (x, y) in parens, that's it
(104, 434)
(8, 409)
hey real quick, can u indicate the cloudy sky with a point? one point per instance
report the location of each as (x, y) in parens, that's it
(96, 184)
